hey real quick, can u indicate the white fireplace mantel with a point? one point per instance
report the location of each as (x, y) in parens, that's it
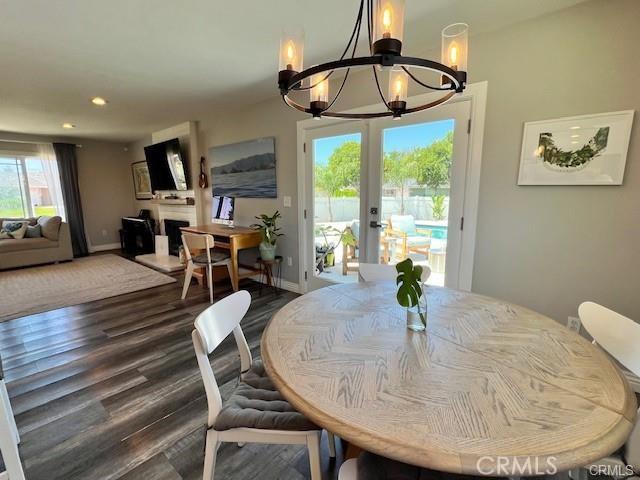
(186, 213)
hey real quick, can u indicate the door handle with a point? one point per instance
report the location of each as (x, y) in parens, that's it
(374, 224)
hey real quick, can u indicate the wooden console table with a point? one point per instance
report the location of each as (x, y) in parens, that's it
(232, 239)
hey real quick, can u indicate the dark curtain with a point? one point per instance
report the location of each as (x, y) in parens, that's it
(68, 167)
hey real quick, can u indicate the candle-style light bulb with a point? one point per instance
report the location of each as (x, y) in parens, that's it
(397, 97)
(291, 55)
(453, 55)
(387, 16)
(388, 25)
(398, 89)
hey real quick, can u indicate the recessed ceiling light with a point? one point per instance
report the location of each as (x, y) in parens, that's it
(575, 128)
(99, 101)
(575, 136)
(68, 125)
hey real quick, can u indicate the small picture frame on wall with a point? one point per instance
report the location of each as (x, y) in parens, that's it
(141, 181)
(582, 150)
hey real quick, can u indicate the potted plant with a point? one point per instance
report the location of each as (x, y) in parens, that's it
(411, 294)
(269, 230)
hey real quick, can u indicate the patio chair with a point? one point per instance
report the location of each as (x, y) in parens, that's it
(349, 252)
(407, 239)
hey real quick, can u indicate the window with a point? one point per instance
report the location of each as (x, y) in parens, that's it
(29, 187)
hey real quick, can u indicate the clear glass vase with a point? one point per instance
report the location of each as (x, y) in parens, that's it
(417, 315)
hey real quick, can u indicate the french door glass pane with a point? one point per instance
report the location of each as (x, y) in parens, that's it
(12, 196)
(415, 194)
(336, 176)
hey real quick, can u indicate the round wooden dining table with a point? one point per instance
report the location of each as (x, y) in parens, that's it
(488, 384)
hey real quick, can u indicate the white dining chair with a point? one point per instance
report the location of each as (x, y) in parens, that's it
(9, 437)
(207, 260)
(620, 337)
(373, 272)
(255, 412)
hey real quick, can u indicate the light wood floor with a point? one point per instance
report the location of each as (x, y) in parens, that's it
(111, 390)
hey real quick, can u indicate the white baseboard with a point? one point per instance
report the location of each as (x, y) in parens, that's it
(102, 248)
(285, 285)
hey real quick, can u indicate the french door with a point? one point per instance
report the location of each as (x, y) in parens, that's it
(383, 190)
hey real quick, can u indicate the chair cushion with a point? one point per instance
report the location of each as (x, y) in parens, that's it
(255, 403)
(418, 241)
(355, 229)
(375, 467)
(12, 245)
(215, 258)
(404, 223)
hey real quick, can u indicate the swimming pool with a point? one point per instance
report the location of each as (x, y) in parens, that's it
(437, 231)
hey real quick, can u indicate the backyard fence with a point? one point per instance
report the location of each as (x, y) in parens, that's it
(345, 209)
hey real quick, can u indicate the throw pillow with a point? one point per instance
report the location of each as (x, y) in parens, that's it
(12, 229)
(50, 227)
(33, 231)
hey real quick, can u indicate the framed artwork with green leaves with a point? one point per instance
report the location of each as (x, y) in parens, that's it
(583, 150)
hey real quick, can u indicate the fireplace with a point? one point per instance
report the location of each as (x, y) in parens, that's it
(173, 232)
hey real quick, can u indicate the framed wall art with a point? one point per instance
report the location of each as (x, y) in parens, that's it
(583, 150)
(141, 181)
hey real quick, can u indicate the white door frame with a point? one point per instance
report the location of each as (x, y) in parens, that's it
(324, 130)
(476, 93)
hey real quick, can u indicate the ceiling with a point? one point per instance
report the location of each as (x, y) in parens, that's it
(161, 62)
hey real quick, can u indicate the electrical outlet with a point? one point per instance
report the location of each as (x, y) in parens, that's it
(104, 233)
(289, 261)
(574, 323)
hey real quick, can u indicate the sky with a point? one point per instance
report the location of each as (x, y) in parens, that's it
(397, 138)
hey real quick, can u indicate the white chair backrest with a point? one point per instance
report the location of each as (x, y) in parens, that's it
(195, 241)
(373, 272)
(617, 334)
(620, 336)
(212, 327)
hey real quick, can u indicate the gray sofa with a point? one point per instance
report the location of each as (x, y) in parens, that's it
(53, 246)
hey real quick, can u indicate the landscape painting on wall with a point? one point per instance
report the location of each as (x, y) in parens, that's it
(244, 170)
(584, 150)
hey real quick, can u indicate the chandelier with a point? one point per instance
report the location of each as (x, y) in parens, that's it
(384, 26)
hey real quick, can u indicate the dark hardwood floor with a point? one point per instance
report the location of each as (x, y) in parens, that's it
(111, 390)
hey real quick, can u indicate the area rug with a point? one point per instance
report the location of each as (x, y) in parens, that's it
(39, 289)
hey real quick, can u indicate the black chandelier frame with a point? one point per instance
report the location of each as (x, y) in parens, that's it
(385, 53)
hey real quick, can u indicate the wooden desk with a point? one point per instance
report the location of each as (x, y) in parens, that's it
(488, 380)
(232, 239)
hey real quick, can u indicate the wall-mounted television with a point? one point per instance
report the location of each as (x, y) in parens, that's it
(167, 168)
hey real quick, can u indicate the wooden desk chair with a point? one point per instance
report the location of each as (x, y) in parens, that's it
(255, 412)
(408, 238)
(620, 337)
(206, 260)
(9, 437)
(373, 272)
